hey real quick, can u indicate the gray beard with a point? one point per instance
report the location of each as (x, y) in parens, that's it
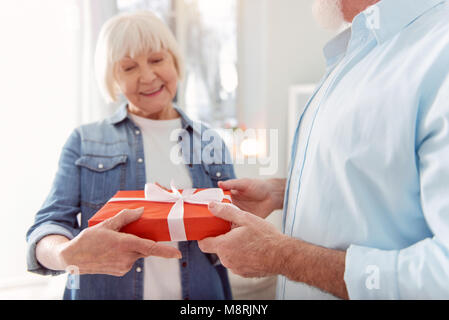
(328, 14)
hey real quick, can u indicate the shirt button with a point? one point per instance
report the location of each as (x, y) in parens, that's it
(138, 269)
(100, 166)
(184, 264)
(140, 160)
(137, 132)
(218, 174)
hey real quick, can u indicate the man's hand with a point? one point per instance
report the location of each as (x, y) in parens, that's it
(251, 249)
(254, 248)
(260, 197)
(102, 249)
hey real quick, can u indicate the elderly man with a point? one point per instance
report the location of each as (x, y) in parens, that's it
(366, 202)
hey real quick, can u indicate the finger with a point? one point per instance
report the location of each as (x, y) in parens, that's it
(229, 212)
(148, 248)
(123, 218)
(234, 184)
(208, 245)
(235, 192)
(163, 251)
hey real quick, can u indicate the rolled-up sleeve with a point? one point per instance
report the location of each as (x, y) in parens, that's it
(58, 214)
(420, 271)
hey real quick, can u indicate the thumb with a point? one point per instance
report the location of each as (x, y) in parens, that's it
(234, 184)
(123, 218)
(147, 247)
(230, 212)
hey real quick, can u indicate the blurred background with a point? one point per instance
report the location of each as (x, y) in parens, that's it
(250, 64)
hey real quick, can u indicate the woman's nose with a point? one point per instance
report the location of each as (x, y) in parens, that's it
(147, 75)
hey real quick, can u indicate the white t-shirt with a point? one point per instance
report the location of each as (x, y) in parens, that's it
(162, 277)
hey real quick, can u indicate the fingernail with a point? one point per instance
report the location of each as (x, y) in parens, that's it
(212, 205)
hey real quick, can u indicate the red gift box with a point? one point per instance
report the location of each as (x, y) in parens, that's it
(178, 215)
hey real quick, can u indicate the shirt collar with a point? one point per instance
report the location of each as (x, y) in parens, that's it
(336, 47)
(395, 15)
(122, 114)
(383, 19)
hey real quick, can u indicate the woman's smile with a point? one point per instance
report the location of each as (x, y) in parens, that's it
(152, 93)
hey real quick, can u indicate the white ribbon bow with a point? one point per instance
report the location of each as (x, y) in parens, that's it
(175, 219)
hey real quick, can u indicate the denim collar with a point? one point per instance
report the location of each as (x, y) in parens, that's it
(392, 16)
(122, 114)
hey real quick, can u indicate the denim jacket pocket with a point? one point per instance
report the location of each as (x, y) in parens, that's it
(101, 177)
(218, 172)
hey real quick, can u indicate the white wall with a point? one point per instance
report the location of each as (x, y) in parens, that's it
(280, 45)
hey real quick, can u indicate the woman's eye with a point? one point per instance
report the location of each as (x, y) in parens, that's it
(128, 68)
(157, 60)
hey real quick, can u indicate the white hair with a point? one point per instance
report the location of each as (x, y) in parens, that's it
(131, 34)
(328, 13)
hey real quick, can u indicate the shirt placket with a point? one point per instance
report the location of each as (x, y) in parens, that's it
(355, 48)
(298, 160)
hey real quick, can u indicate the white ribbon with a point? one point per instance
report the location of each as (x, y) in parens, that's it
(175, 219)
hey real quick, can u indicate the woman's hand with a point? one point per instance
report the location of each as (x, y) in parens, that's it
(260, 197)
(102, 249)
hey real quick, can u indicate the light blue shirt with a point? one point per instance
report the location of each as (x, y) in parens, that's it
(373, 165)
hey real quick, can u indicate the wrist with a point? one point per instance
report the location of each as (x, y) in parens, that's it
(277, 192)
(48, 251)
(287, 253)
(62, 257)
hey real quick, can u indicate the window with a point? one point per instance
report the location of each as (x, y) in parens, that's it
(207, 33)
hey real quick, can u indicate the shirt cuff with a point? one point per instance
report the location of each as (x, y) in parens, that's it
(371, 273)
(40, 232)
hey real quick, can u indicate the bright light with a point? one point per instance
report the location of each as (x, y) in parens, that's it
(250, 147)
(229, 78)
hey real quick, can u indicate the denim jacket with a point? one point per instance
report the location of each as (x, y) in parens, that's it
(98, 160)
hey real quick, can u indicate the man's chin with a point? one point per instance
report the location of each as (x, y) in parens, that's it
(328, 14)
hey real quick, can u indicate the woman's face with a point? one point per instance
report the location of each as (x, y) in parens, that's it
(149, 82)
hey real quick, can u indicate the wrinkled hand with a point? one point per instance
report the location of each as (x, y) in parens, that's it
(251, 249)
(102, 249)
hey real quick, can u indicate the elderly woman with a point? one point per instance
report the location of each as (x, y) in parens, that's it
(137, 56)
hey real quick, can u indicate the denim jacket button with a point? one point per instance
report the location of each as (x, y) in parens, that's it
(140, 160)
(138, 269)
(218, 174)
(137, 132)
(100, 166)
